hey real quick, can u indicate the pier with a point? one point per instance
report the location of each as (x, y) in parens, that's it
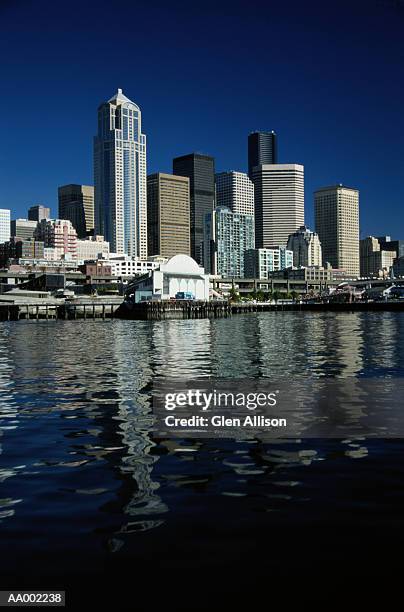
(72, 310)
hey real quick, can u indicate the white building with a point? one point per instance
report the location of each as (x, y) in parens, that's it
(179, 273)
(259, 262)
(336, 211)
(125, 267)
(120, 177)
(5, 231)
(235, 191)
(306, 247)
(94, 247)
(279, 202)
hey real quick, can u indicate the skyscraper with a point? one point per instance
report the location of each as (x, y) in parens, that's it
(168, 215)
(120, 177)
(279, 203)
(5, 230)
(262, 149)
(38, 212)
(236, 191)
(228, 236)
(336, 211)
(200, 169)
(76, 203)
(306, 247)
(374, 260)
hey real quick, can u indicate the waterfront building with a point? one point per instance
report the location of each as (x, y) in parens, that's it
(180, 273)
(259, 263)
(58, 234)
(279, 203)
(319, 274)
(336, 210)
(94, 247)
(306, 247)
(227, 237)
(387, 244)
(76, 203)
(23, 228)
(168, 215)
(374, 261)
(262, 149)
(37, 212)
(120, 177)
(235, 190)
(4, 225)
(200, 169)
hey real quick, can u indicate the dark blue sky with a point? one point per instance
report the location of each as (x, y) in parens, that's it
(326, 76)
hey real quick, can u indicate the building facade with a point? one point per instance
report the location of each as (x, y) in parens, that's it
(336, 211)
(59, 235)
(76, 203)
(38, 212)
(387, 244)
(227, 237)
(374, 261)
(120, 177)
(168, 215)
(94, 247)
(306, 247)
(279, 203)
(259, 263)
(235, 190)
(200, 169)
(23, 228)
(5, 231)
(17, 248)
(262, 149)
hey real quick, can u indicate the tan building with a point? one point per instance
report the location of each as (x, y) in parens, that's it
(168, 215)
(76, 204)
(336, 211)
(374, 261)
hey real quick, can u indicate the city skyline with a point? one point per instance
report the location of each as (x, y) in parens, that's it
(326, 121)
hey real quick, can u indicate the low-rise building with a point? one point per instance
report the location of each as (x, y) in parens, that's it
(259, 263)
(16, 248)
(125, 266)
(180, 273)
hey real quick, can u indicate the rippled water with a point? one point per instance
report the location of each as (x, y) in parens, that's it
(89, 496)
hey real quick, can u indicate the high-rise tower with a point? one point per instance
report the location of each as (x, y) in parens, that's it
(120, 176)
(262, 149)
(200, 169)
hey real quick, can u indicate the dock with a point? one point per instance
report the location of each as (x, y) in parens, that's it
(64, 310)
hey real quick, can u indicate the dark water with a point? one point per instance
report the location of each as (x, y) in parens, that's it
(90, 499)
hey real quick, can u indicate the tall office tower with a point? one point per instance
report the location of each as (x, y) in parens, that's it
(200, 169)
(38, 212)
(235, 191)
(374, 260)
(76, 204)
(168, 218)
(279, 203)
(336, 211)
(23, 228)
(5, 230)
(120, 177)
(262, 149)
(306, 247)
(228, 236)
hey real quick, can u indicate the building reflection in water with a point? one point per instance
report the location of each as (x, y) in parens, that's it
(75, 399)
